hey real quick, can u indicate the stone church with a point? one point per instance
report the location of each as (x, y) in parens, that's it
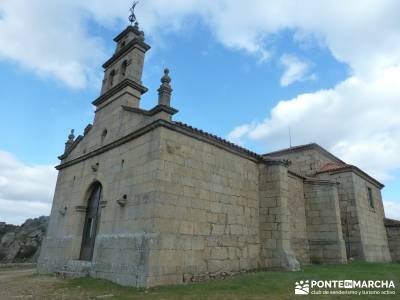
(143, 200)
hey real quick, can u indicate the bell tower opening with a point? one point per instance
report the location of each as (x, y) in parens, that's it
(123, 71)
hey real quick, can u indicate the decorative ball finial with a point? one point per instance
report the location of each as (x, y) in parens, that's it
(71, 136)
(70, 141)
(165, 90)
(166, 79)
(132, 17)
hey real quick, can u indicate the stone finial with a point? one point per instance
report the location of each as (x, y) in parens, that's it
(70, 141)
(71, 136)
(165, 90)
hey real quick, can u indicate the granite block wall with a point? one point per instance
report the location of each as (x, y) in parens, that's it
(363, 227)
(275, 235)
(205, 214)
(305, 162)
(123, 240)
(297, 219)
(323, 222)
(348, 212)
(393, 235)
(372, 229)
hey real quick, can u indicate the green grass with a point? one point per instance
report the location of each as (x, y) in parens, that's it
(258, 285)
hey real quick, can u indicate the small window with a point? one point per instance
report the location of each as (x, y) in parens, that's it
(123, 67)
(370, 198)
(112, 75)
(104, 133)
(123, 44)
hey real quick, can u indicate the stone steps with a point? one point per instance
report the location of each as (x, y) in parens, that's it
(68, 274)
(75, 269)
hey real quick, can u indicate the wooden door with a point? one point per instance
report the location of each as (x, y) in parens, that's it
(91, 222)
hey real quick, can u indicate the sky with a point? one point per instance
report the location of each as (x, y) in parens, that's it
(246, 71)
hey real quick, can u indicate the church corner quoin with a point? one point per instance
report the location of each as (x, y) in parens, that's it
(143, 200)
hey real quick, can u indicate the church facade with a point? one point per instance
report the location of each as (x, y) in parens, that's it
(143, 200)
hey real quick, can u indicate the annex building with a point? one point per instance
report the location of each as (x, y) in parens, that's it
(143, 200)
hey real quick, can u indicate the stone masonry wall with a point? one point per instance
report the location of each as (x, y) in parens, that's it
(363, 228)
(323, 222)
(297, 219)
(393, 235)
(276, 248)
(306, 162)
(373, 233)
(124, 233)
(348, 213)
(112, 120)
(205, 214)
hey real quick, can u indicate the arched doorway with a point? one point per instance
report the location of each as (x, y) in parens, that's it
(91, 221)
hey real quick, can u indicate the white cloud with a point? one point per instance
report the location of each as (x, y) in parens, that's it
(236, 134)
(51, 38)
(25, 191)
(358, 120)
(295, 70)
(392, 209)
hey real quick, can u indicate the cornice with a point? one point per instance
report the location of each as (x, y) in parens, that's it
(391, 222)
(153, 111)
(112, 145)
(177, 127)
(128, 29)
(312, 146)
(123, 84)
(319, 181)
(132, 44)
(72, 147)
(358, 171)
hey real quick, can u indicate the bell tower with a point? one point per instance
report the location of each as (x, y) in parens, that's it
(128, 59)
(123, 71)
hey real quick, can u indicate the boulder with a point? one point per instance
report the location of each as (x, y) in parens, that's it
(21, 244)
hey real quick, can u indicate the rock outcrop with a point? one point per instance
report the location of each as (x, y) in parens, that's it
(21, 244)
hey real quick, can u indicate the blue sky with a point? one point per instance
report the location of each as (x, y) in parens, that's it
(245, 80)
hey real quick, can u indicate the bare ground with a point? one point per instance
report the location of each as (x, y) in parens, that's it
(25, 284)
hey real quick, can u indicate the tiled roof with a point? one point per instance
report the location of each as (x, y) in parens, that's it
(332, 167)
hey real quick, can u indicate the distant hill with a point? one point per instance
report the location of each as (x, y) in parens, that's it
(20, 244)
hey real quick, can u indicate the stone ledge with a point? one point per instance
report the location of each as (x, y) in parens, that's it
(323, 242)
(391, 222)
(135, 43)
(177, 127)
(123, 84)
(80, 208)
(156, 109)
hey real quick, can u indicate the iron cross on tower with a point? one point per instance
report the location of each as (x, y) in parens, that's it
(132, 17)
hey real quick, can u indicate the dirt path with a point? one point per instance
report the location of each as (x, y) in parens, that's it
(24, 284)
